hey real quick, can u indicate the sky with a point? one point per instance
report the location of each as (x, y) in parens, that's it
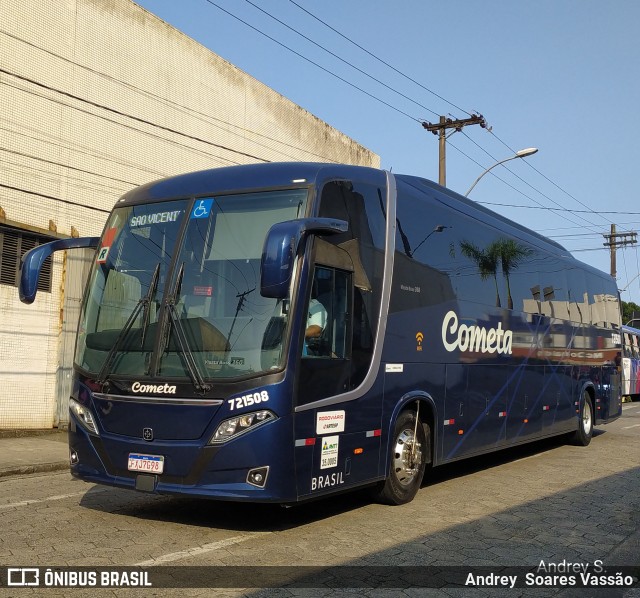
(557, 75)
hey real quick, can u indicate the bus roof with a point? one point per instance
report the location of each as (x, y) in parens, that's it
(630, 330)
(245, 177)
(275, 175)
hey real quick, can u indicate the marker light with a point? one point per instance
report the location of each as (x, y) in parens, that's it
(84, 416)
(230, 428)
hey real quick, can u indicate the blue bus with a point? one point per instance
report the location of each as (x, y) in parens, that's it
(280, 332)
(630, 362)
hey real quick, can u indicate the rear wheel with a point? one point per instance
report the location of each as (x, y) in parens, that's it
(582, 436)
(407, 461)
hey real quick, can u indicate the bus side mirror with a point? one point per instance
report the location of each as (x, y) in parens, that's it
(281, 246)
(31, 263)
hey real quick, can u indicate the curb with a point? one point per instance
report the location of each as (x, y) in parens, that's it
(29, 469)
(31, 433)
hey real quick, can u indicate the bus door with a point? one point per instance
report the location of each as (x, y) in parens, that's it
(335, 446)
(338, 398)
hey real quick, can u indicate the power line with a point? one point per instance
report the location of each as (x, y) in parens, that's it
(52, 162)
(54, 141)
(590, 211)
(274, 40)
(589, 249)
(209, 119)
(548, 179)
(575, 235)
(122, 124)
(52, 177)
(526, 183)
(65, 201)
(509, 205)
(574, 227)
(512, 187)
(406, 97)
(393, 68)
(131, 116)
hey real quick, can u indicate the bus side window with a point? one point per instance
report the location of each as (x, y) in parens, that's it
(627, 345)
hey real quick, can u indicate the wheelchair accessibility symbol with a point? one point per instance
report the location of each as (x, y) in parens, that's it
(202, 208)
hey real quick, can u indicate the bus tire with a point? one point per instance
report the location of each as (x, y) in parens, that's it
(405, 474)
(582, 436)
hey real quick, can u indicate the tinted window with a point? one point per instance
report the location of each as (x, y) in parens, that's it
(603, 301)
(363, 207)
(443, 254)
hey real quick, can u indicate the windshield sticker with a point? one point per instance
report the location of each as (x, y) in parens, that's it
(329, 422)
(107, 241)
(203, 291)
(157, 218)
(202, 208)
(102, 255)
(329, 454)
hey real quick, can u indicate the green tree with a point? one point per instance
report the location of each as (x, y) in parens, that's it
(627, 313)
(486, 260)
(506, 252)
(512, 254)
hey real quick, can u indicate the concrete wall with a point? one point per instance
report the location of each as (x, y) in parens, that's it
(98, 96)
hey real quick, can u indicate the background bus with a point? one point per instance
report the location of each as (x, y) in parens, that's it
(630, 362)
(448, 331)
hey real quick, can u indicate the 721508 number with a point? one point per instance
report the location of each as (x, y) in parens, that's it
(248, 400)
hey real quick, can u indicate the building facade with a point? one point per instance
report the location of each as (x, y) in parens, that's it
(96, 97)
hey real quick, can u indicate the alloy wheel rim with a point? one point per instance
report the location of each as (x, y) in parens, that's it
(586, 417)
(405, 468)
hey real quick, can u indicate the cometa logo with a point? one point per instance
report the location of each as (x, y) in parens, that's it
(162, 389)
(474, 338)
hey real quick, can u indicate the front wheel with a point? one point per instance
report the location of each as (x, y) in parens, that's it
(582, 436)
(407, 461)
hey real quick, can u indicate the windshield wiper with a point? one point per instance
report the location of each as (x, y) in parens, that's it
(143, 303)
(181, 337)
(147, 304)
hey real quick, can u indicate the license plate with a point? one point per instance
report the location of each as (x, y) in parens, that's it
(146, 463)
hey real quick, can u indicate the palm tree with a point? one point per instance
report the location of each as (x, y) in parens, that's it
(486, 260)
(511, 255)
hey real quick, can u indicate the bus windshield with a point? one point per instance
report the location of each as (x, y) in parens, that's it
(159, 298)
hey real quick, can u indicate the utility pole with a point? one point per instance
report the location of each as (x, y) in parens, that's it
(615, 240)
(440, 129)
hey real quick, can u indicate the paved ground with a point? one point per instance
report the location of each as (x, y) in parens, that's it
(547, 502)
(33, 452)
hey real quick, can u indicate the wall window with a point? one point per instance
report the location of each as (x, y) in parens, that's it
(14, 243)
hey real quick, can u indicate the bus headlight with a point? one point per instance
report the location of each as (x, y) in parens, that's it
(230, 428)
(84, 415)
